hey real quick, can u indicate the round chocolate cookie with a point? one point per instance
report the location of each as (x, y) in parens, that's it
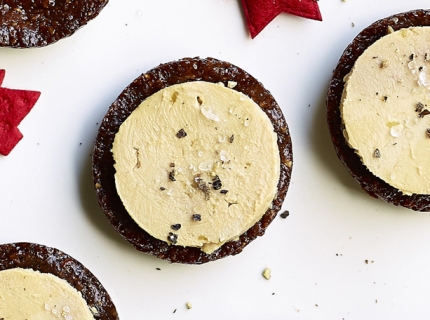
(38, 23)
(373, 185)
(52, 261)
(165, 75)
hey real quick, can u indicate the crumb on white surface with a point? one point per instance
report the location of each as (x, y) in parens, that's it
(267, 273)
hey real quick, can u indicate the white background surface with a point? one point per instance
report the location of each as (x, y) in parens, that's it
(317, 255)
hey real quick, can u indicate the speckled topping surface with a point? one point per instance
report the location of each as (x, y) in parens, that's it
(38, 23)
(373, 185)
(49, 260)
(184, 70)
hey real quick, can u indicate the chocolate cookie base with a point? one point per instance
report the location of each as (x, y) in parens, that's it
(38, 23)
(373, 185)
(185, 70)
(53, 261)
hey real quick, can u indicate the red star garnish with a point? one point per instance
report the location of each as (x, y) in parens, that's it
(259, 13)
(14, 106)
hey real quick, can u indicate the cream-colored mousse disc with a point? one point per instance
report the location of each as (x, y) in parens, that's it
(29, 294)
(197, 164)
(385, 109)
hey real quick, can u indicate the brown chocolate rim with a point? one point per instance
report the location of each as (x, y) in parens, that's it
(49, 260)
(184, 70)
(38, 23)
(373, 185)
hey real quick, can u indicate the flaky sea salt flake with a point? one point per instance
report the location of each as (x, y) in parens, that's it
(209, 113)
(224, 156)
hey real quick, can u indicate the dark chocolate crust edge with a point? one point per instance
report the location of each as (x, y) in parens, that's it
(50, 260)
(32, 24)
(373, 185)
(184, 70)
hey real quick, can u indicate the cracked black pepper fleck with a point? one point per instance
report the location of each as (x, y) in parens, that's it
(419, 107)
(181, 134)
(197, 217)
(173, 238)
(172, 175)
(176, 227)
(216, 183)
(377, 153)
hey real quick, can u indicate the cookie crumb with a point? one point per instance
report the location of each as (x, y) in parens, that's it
(231, 84)
(285, 214)
(267, 273)
(424, 113)
(189, 305)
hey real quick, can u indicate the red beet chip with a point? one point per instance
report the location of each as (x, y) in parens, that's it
(14, 106)
(259, 13)
(2, 73)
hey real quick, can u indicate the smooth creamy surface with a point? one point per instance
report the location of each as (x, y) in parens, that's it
(384, 109)
(227, 136)
(29, 294)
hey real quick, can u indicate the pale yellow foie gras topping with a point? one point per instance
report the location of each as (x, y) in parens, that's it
(146, 147)
(379, 109)
(29, 294)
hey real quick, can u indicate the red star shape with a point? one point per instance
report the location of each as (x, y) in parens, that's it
(259, 13)
(14, 106)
